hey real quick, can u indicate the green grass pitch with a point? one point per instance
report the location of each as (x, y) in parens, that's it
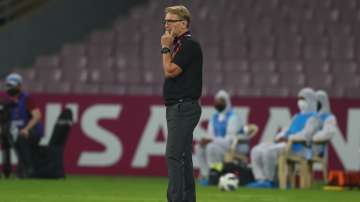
(141, 189)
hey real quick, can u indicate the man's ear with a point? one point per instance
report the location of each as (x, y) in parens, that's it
(184, 23)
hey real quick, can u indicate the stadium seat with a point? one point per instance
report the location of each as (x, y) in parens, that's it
(35, 87)
(128, 76)
(111, 89)
(277, 92)
(140, 90)
(100, 50)
(286, 168)
(232, 155)
(61, 87)
(247, 91)
(157, 77)
(336, 30)
(262, 66)
(319, 157)
(317, 67)
(73, 50)
(84, 88)
(288, 51)
(102, 37)
(100, 76)
(73, 62)
(290, 67)
(293, 40)
(237, 78)
(75, 75)
(235, 65)
(29, 75)
(47, 61)
(315, 52)
(347, 81)
(326, 80)
(101, 63)
(265, 80)
(346, 68)
(292, 81)
(46, 75)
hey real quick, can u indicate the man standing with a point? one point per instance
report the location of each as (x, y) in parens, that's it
(25, 126)
(182, 67)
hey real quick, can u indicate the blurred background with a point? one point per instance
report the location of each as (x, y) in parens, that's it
(252, 48)
(102, 60)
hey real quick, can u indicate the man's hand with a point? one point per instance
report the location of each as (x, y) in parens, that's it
(204, 141)
(24, 132)
(167, 39)
(281, 139)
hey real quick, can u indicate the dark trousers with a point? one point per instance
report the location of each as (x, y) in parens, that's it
(25, 148)
(181, 119)
(5, 147)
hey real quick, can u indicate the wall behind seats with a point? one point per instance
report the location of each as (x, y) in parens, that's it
(45, 29)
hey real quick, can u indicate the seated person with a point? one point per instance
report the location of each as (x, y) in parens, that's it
(303, 125)
(223, 127)
(327, 126)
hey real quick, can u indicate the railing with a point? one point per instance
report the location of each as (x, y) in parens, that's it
(12, 9)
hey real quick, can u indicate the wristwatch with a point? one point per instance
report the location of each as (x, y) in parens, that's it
(165, 50)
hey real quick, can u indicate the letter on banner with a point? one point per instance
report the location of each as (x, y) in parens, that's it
(279, 117)
(113, 146)
(349, 151)
(148, 145)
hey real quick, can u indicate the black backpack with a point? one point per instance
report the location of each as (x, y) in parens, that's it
(49, 159)
(239, 169)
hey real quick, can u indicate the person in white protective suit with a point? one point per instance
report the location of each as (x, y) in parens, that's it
(302, 127)
(224, 125)
(328, 124)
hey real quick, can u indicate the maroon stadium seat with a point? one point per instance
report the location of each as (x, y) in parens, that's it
(251, 47)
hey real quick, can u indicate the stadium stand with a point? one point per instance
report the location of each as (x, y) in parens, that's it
(12, 9)
(251, 48)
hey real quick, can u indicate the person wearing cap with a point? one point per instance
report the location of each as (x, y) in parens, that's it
(25, 128)
(224, 125)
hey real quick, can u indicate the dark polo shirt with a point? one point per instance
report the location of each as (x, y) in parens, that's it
(187, 54)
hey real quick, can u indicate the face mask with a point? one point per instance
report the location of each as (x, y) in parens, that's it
(13, 92)
(319, 106)
(303, 105)
(219, 107)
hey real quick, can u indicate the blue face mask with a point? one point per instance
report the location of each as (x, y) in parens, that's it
(13, 92)
(220, 107)
(319, 106)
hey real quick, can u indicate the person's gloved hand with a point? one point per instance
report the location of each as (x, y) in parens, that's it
(204, 141)
(24, 132)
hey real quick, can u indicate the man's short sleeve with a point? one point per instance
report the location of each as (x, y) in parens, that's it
(184, 55)
(30, 104)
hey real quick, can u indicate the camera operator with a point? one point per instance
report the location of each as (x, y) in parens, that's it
(25, 127)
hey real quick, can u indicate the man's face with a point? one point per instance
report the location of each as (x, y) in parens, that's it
(13, 91)
(220, 101)
(173, 23)
(220, 104)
